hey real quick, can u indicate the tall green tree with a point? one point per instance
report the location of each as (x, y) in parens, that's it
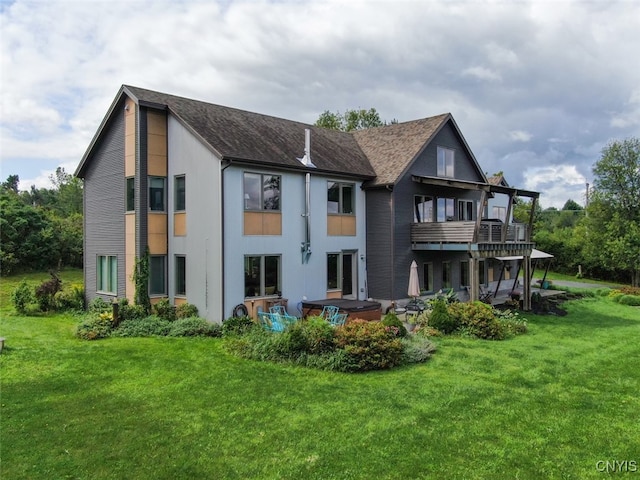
(350, 120)
(613, 221)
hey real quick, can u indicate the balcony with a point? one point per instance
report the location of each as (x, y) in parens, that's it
(461, 236)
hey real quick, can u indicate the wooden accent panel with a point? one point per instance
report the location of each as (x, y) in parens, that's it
(179, 301)
(157, 228)
(180, 224)
(155, 300)
(130, 254)
(157, 144)
(262, 223)
(334, 294)
(341, 225)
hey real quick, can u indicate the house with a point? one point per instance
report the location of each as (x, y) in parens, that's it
(239, 209)
(426, 205)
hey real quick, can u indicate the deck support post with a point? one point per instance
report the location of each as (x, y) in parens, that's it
(526, 293)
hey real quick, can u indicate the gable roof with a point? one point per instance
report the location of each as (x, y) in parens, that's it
(391, 148)
(249, 137)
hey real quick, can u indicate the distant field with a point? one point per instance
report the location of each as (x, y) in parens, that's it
(555, 403)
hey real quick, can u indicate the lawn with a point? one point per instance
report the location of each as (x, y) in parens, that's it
(549, 404)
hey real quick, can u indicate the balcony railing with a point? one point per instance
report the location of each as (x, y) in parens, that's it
(463, 232)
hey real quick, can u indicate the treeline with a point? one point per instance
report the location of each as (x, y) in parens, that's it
(41, 228)
(602, 240)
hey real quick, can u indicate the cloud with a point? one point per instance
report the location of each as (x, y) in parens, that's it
(557, 184)
(520, 136)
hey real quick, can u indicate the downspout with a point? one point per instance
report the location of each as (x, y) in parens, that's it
(306, 161)
(222, 220)
(392, 222)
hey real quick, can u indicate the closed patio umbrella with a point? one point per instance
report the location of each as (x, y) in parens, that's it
(414, 282)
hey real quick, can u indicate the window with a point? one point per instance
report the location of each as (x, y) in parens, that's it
(499, 213)
(156, 194)
(261, 192)
(445, 162)
(427, 276)
(465, 210)
(261, 275)
(464, 273)
(481, 274)
(445, 210)
(107, 274)
(131, 194)
(340, 198)
(181, 276)
(180, 193)
(446, 274)
(157, 275)
(422, 209)
(333, 271)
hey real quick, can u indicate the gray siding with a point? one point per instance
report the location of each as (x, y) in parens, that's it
(390, 254)
(104, 206)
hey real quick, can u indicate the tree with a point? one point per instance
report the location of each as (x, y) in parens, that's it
(11, 185)
(613, 222)
(350, 120)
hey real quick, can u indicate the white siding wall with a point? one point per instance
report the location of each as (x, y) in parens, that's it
(202, 245)
(298, 280)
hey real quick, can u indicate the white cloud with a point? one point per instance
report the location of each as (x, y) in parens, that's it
(520, 136)
(557, 184)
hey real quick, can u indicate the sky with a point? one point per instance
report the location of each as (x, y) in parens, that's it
(537, 88)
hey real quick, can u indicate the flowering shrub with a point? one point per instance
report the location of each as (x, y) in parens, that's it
(477, 319)
(368, 346)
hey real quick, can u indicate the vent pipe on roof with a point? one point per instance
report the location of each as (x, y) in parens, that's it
(306, 159)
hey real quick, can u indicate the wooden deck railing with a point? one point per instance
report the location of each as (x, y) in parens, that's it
(463, 232)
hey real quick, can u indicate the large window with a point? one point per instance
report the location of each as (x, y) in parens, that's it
(464, 273)
(446, 158)
(446, 209)
(500, 213)
(261, 275)
(181, 275)
(107, 274)
(157, 194)
(157, 275)
(427, 277)
(446, 274)
(465, 210)
(340, 198)
(180, 193)
(422, 209)
(131, 194)
(261, 192)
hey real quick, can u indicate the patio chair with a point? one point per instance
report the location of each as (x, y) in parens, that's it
(328, 312)
(338, 319)
(485, 296)
(278, 309)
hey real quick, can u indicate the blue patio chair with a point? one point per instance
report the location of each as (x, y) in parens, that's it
(328, 312)
(279, 309)
(338, 319)
(265, 321)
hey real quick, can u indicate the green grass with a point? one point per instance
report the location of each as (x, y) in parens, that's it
(549, 404)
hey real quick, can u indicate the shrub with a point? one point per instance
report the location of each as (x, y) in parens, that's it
(46, 291)
(165, 310)
(440, 319)
(194, 327)
(186, 310)
(512, 322)
(98, 305)
(368, 346)
(146, 327)
(427, 331)
(130, 312)
(22, 297)
(478, 319)
(95, 327)
(237, 326)
(313, 336)
(632, 300)
(416, 349)
(394, 324)
(72, 299)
